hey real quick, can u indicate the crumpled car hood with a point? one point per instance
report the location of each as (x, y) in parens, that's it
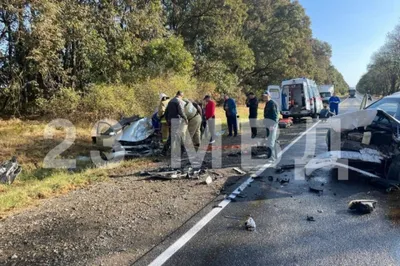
(353, 120)
(332, 158)
(137, 131)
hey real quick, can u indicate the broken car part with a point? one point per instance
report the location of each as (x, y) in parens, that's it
(132, 137)
(367, 136)
(239, 171)
(9, 170)
(250, 224)
(362, 206)
(310, 218)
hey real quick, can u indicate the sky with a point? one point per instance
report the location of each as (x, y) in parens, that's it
(354, 28)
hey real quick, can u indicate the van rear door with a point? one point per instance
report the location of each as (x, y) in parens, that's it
(308, 94)
(276, 95)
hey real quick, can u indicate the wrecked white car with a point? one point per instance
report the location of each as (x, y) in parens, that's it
(131, 137)
(368, 139)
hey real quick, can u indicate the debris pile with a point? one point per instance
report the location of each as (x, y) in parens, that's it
(362, 206)
(316, 187)
(169, 173)
(9, 170)
(250, 224)
(310, 218)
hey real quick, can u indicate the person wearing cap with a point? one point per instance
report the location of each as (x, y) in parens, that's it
(210, 116)
(231, 115)
(271, 116)
(175, 110)
(252, 104)
(162, 106)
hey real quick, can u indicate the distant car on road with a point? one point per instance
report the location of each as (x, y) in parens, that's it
(352, 92)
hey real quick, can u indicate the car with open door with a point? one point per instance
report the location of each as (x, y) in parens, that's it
(369, 137)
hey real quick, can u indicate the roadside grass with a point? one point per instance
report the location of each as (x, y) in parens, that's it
(25, 140)
(243, 113)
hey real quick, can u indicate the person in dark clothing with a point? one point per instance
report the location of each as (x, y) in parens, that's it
(252, 104)
(334, 103)
(325, 113)
(231, 115)
(175, 110)
(271, 114)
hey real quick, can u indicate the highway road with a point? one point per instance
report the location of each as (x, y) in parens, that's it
(283, 235)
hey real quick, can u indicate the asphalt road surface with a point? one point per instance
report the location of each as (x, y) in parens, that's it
(283, 235)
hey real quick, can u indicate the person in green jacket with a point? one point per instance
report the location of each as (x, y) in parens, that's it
(271, 116)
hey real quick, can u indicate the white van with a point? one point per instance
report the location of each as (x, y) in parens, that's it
(326, 91)
(299, 98)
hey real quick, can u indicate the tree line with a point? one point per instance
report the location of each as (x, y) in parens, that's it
(233, 46)
(383, 72)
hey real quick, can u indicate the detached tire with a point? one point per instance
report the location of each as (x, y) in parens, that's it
(394, 169)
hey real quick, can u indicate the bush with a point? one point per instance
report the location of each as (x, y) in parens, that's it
(63, 104)
(114, 101)
(109, 101)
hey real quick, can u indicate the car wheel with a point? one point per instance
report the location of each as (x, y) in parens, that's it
(394, 169)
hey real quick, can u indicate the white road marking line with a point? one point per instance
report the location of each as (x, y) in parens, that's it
(171, 250)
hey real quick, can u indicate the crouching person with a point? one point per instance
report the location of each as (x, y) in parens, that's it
(325, 113)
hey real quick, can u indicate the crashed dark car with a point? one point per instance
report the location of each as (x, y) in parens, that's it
(368, 139)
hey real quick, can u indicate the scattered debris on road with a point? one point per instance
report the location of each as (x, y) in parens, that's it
(169, 173)
(316, 187)
(385, 184)
(9, 170)
(283, 180)
(250, 224)
(282, 168)
(208, 180)
(239, 171)
(362, 206)
(310, 218)
(235, 154)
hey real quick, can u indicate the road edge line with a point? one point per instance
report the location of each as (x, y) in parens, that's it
(181, 241)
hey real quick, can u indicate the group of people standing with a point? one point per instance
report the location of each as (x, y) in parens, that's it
(195, 117)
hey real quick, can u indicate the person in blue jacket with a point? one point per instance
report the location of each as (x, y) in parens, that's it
(334, 103)
(231, 115)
